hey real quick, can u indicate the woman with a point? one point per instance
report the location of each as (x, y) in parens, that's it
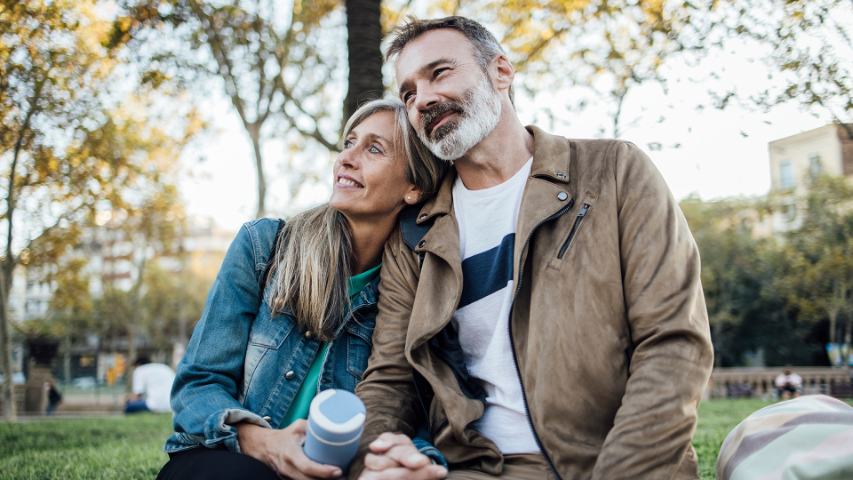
(292, 312)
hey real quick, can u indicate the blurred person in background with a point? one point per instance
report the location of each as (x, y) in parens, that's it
(788, 384)
(152, 383)
(292, 313)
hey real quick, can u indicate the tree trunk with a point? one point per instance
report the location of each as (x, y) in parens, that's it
(617, 117)
(6, 276)
(833, 325)
(254, 131)
(66, 358)
(364, 35)
(9, 410)
(133, 325)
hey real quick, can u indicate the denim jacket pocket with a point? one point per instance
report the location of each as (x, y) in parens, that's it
(270, 330)
(359, 344)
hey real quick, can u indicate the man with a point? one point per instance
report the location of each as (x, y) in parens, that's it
(552, 315)
(152, 384)
(788, 384)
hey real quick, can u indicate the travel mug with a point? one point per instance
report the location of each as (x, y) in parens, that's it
(335, 422)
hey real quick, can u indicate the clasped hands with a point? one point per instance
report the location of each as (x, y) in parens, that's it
(391, 457)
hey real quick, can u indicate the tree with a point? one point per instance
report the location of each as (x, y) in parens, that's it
(155, 227)
(744, 279)
(69, 143)
(71, 306)
(808, 51)
(364, 34)
(171, 298)
(821, 254)
(280, 67)
(599, 51)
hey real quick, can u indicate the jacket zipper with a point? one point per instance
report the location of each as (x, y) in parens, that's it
(575, 227)
(512, 343)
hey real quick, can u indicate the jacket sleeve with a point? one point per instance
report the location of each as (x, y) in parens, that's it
(672, 354)
(209, 378)
(387, 389)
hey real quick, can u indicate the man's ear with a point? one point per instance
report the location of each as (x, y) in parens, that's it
(413, 195)
(502, 72)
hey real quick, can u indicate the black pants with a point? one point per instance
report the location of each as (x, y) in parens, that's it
(214, 464)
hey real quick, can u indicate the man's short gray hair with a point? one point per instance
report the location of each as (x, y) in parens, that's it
(486, 46)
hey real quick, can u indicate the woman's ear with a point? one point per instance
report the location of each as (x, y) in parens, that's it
(413, 195)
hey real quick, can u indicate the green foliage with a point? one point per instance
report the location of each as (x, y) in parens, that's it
(821, 254)
(171, 302)
(786, 296)
(276, 62)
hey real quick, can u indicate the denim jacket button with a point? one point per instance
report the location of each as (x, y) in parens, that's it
(308, 334)
(289, 375)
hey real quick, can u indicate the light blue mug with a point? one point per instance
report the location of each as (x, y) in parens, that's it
(335, 422)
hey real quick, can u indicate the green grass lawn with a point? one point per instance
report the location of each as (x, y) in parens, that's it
(130, 447)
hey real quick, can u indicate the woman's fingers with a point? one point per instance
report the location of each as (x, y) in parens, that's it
(292, 461)
(314, 469)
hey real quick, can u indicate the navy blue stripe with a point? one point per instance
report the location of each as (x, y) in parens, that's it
(487, 272)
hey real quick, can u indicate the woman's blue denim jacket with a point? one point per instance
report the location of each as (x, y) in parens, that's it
(245, 364)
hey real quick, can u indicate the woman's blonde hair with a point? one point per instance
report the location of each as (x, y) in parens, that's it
(313, 262)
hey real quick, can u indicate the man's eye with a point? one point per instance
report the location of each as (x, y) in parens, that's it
(438, 71)
(408, 96)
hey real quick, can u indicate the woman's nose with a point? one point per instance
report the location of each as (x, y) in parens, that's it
(347, 158)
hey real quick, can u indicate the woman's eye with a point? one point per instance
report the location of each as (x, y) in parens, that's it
(374, 149)
(348, 143)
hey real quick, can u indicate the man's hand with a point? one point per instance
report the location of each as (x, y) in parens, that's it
(394, 456)
(282, 451)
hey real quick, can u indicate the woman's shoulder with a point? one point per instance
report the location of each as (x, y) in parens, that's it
(256, 238)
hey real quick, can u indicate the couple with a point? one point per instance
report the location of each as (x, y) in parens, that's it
(540, 316)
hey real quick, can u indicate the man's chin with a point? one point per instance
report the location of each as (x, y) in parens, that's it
(447, 152)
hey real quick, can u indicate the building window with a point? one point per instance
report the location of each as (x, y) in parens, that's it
(815, 166)
(786, 174)
(789, 213)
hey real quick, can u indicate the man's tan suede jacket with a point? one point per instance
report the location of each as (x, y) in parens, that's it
(608, 323)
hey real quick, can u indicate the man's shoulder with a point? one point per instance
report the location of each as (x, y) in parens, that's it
(584, 151)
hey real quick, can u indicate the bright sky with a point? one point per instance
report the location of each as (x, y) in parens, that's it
(721, 153)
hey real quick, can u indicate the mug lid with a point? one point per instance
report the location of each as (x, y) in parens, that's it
(337, 411)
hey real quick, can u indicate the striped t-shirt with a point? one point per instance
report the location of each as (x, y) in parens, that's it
(487, 219)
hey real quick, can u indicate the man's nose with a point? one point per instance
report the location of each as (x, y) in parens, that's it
(426, 97)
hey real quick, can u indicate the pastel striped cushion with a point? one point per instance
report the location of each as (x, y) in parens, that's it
(809, 437)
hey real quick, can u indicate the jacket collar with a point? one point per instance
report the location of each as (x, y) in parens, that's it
(552, 156)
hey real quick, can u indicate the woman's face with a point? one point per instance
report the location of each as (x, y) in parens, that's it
(369, 175)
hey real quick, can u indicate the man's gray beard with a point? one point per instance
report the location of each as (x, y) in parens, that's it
(481, 111)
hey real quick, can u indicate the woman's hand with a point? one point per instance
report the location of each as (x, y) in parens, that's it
(282, 451)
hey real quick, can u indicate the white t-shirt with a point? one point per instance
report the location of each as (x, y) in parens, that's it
(154, 381)
(793, 379)
(487, 220)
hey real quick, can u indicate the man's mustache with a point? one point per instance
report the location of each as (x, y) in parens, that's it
(428, 117)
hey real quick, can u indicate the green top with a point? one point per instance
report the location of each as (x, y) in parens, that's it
(302, 401)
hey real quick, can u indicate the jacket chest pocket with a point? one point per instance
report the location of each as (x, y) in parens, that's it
(567, 240)
(268, 334)
(359, 334)
(269, 331)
